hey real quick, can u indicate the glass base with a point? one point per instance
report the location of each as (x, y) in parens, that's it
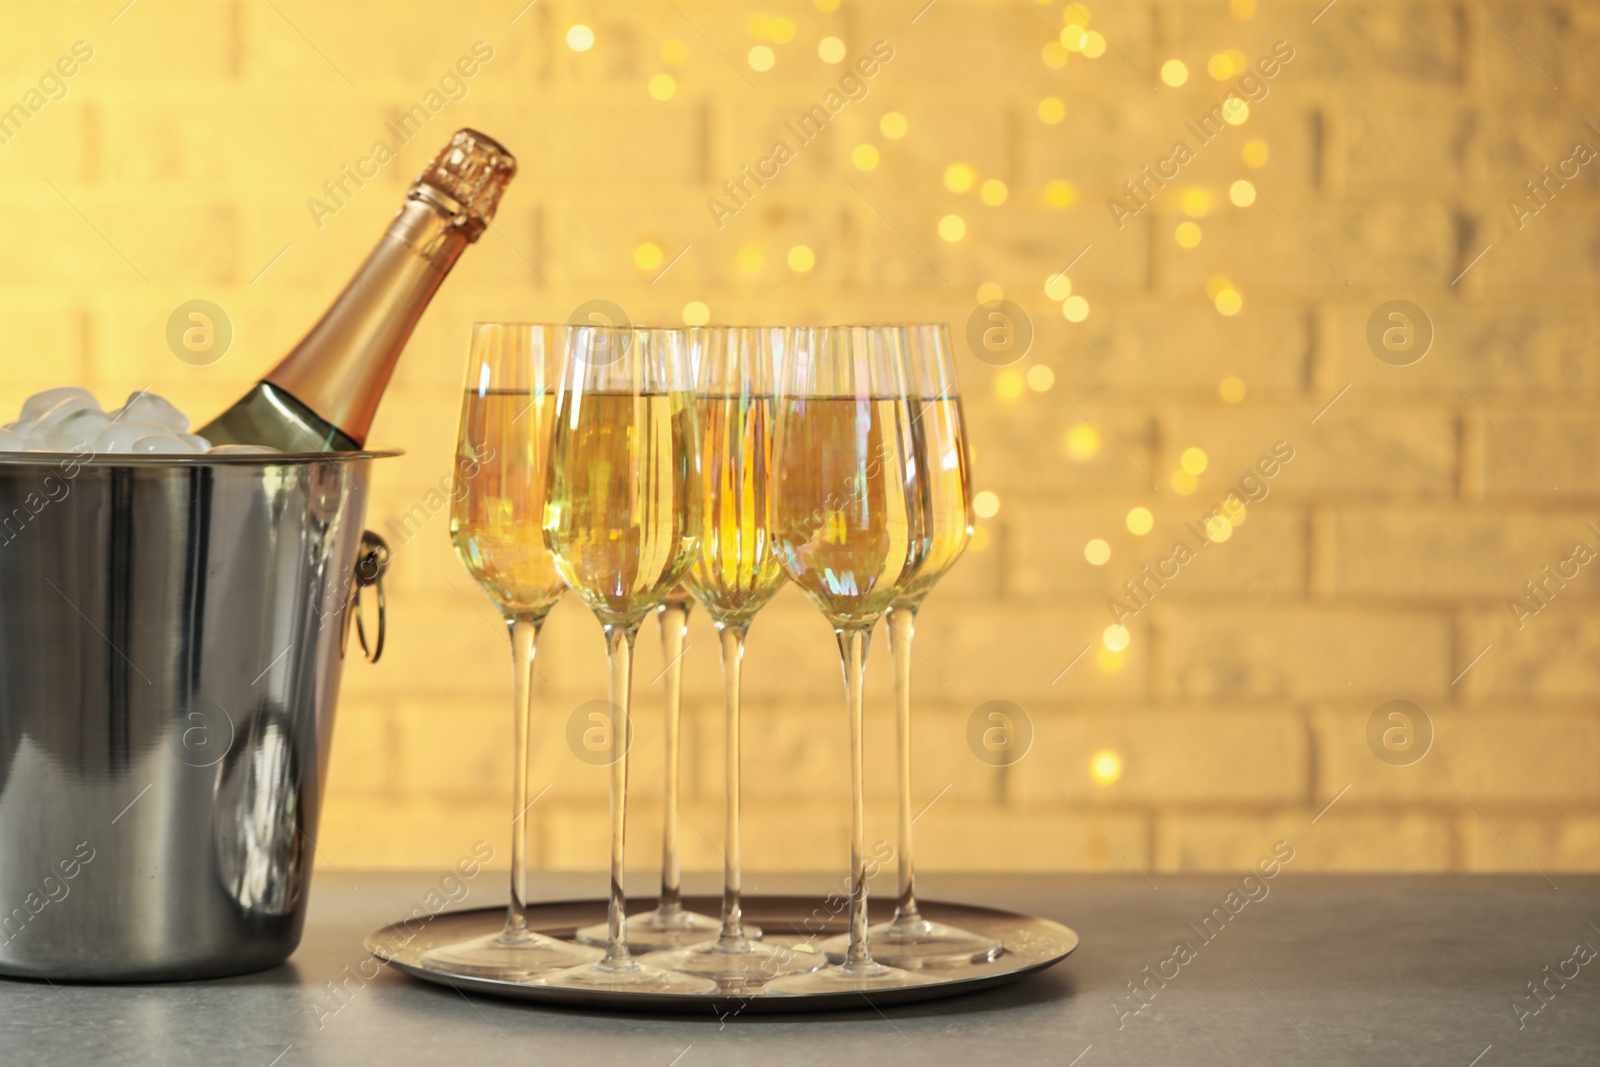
(629, 976)
(495, 956)
(919, 943)
(844, 978)
(744, 964)
(652, 931)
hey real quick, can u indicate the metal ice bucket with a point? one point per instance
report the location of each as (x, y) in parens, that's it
(171, 635)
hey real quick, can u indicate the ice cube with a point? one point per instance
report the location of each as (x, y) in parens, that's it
(45, 425)
(39, 403)
(148, 407)
(195, 441)
(164, 444)
(120, 436)
(77, 431)
(12, 442)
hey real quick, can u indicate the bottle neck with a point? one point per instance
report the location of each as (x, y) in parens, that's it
(340, 369)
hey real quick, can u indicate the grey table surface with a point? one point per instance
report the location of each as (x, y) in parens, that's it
(1323, 969)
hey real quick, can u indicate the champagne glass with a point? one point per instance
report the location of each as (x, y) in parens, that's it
(849, 531)
(619, 519)
(940, 456)
(735, 573)
(512, 373)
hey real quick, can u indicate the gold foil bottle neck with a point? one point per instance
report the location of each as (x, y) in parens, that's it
(467, 178)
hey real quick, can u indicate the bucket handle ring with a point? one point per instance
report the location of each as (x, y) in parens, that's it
(371, 562)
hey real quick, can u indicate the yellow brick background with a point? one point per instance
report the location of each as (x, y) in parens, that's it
(180, 163)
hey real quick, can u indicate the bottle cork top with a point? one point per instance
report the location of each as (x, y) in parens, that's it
(467, 178)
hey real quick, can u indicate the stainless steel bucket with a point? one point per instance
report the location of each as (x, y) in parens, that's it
(171, 635)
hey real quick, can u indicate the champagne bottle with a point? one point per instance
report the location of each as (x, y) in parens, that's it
(323, 395)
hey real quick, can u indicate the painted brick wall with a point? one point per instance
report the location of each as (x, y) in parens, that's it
(1383, 157)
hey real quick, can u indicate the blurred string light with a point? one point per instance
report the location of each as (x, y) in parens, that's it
(1231, 390)
(1175, 73)
(1194, 460)
(801, 258)
(663, 87)
(989, 292)
(959, 177)
(1094, 45)
(1218, 528)
(952, 228)
(696, 313)
(1195, 203)
(1220, 67)
(1228, 300)
(1187, 234)
(1255, 154)
(1058, 287)
(580, 38)
(1009, 384)
(1075, 309)
(1054, 55)
(1083, 441)
(865, 157)
(894, 125)
(761, 58)
(1243, 10)
(1105, 767)
(1235, 110)
(674, 52)
(1242, 193)
(830, 50)
(1097, 552)
(750, 259)
(993, 192)
(1110, 661)
(647, 256)
(1041, 378)
(1060, 193)
(1139, 521)
(1052, 109)
(1115, 637)
(1183, 483)
(986, 504)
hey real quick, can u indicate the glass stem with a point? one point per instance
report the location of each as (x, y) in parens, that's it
(619, 655)
(732, 935)
(902, 628)
(853, 649)
(524, 641)
(674, 618)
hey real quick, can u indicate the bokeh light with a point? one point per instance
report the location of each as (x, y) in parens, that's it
(1194, 460)
(1231, 390)
(986, 504)
(1220, 67)
(1115, 637)
(647, 256)
(674, 52)
(1195, 203)
(1075, 308)
(1139, 521)
(1041, 378)
(1229, 302)
(1009, 384)
(894, 125)
(580, 38)
(695, 313)
(1060, 193)
(1174, 72)
(1052, 110)
(801, 258)
(750, 259)
(1242, 193)
(1255, 154)
(993, 192)
(1097, 552)
(1110, 661)
(952, 228)
(663, 87)
(1083, 441)
(1183, 483)
(1105, 767)
(959, 177)
(1058, 287)
(830, 50)
(761, 58)
(1187, 234)
(989, 292)
(864, 156)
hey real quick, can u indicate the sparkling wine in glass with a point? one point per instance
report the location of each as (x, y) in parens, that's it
(735, 573)
(620, 520)
(507, 413)
(848, 533)
(939, 453)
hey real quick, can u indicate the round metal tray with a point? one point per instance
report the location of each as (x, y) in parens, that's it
(1031, 944)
